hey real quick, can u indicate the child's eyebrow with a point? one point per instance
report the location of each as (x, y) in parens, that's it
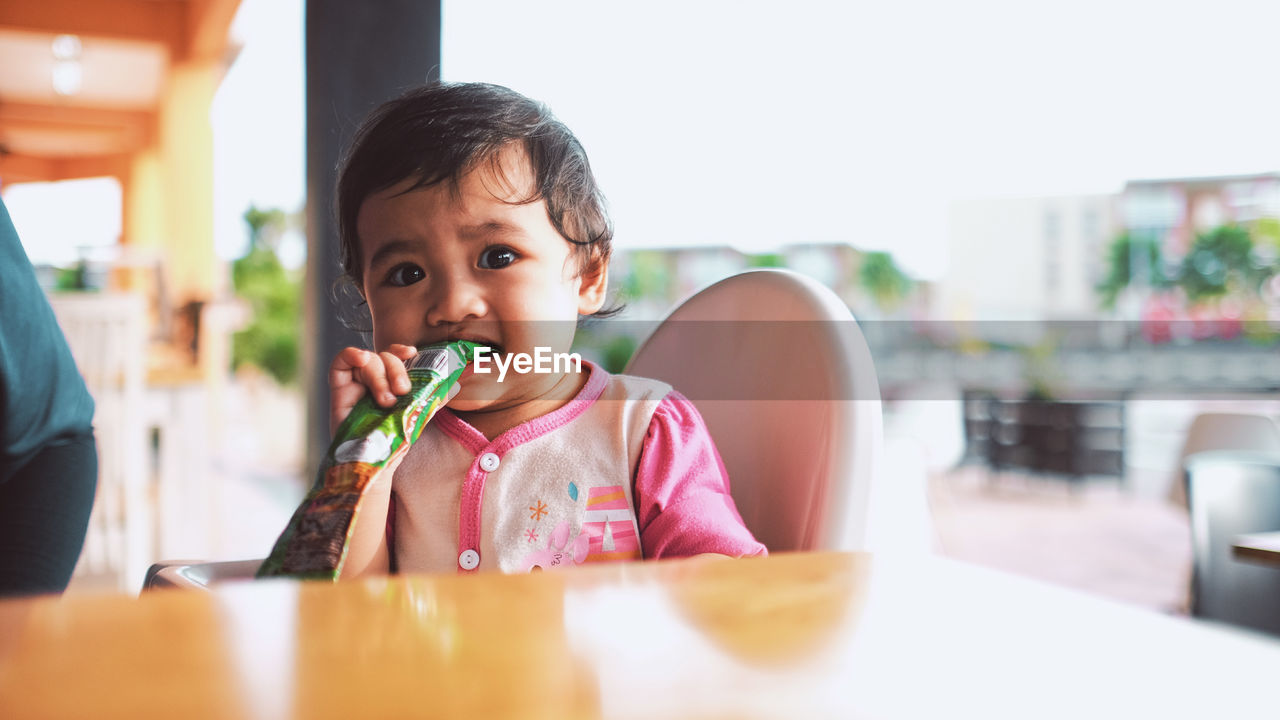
(490, 227)
(390, 249)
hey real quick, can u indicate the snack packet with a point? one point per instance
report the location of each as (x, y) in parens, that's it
(314, 543)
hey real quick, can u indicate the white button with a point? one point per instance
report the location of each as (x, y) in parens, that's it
(488, 462)
(469, 560)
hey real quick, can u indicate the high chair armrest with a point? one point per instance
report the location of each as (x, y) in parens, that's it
(198, 574)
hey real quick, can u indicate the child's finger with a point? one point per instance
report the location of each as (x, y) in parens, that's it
(400, 375)
(374, 377)
(404, 352)
(397, 375)
(345, 387)
(348, 360)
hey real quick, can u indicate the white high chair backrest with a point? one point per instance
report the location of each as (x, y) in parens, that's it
(781, 372)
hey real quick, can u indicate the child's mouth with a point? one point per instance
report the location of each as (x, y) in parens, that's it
(494, 349)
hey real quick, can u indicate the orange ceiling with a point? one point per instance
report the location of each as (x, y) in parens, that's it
(127, 49)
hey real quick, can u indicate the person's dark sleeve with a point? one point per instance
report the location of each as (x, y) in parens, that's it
(48, 461)
(42, 396)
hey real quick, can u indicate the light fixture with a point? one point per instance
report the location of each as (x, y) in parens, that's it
(67, 74)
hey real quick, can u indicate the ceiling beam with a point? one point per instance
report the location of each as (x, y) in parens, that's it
(17, 168)
(130, 130)
(36, 114)
(134, 20)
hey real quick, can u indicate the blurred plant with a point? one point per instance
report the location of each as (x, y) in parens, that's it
(617, 352)
(1121, 253)
(605, 343)
(766, 260)
(1040, 367)
(265, 226)
(1220, 261)
(1266, 233)
(271, 339)
(73, 278)
(880, 277)
(647, 276)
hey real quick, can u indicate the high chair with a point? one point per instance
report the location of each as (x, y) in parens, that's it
(779, 369)
(781, 372)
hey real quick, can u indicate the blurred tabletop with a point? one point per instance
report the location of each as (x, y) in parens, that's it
(838, 635)
(1261, 547)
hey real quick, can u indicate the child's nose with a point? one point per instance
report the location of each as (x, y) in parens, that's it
(454, 299)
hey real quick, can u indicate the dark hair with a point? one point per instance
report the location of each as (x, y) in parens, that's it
(441, 131)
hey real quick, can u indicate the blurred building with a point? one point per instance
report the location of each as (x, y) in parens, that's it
(1026, 258)
(1034, 258)
(1173, 210)
(653, 280)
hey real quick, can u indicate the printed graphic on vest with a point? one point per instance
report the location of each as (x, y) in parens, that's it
(560, 552)
(608, 533)
(610, 525)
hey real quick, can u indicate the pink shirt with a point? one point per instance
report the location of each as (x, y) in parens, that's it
(674, 491)
(683, 505)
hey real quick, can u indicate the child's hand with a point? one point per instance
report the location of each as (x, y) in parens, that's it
(355, 371)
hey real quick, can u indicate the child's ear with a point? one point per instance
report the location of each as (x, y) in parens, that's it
(593, 282)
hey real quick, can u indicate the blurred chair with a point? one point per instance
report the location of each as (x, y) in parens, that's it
(1231, 493)
(780, 371)
(1225, 431)
(107, 335)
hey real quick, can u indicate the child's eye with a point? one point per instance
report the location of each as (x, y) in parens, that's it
(404, 274)
(497, 257)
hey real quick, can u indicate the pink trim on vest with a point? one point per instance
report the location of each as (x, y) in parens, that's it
(471, 499)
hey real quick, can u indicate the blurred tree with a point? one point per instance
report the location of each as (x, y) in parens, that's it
(1267, 231)
(766, 260)
(265, 227)
(73, 278)
(1121, 253)
(1266, 246)
(1220, 261)
(647, 276)
(882, 278)
(617, 352)
(607, 343)
(271, 339)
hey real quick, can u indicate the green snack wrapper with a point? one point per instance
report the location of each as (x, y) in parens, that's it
(314, 544)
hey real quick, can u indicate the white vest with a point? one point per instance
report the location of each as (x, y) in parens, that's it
(554, 491)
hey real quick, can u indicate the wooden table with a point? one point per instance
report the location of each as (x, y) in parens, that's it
(792, 636)
(1261, 547)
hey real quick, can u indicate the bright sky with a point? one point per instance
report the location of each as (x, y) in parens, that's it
(259, 125)
(765, 123)
(760, 123)
(53, 236)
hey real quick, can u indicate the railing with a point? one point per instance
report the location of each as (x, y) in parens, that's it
(107, 335)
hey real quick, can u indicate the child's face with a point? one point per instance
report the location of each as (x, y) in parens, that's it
(441, 264)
